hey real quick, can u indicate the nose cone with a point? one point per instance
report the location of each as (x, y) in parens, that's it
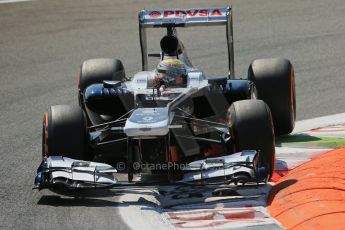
(148, 122)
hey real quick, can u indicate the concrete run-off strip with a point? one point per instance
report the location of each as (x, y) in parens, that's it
(245, 208)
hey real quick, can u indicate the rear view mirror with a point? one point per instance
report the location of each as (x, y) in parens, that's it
(111, 84)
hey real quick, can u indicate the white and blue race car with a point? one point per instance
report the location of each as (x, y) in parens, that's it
(207, 127)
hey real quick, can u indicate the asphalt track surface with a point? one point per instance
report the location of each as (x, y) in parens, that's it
(42, 43)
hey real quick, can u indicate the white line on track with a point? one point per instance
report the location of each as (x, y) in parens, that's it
(319, 122)
(13, 1)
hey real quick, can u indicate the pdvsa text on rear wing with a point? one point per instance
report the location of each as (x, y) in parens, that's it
(171, 18)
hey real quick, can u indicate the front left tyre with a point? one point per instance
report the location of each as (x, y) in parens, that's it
(251, 127)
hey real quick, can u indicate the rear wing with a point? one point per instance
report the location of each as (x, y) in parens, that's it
(172, 18)
(183, 17)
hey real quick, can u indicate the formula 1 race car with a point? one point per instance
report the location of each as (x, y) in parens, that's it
(203, 127)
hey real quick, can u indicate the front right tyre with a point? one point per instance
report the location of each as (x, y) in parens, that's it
(64, 132)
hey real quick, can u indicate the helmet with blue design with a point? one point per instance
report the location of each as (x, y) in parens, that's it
(172, 67)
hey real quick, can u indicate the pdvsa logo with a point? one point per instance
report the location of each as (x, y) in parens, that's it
(155, 14)
(192, 13)
(187, 13)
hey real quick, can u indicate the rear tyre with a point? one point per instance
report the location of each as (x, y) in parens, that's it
(95, 71)
(275, 81)
(251, 128)
(64, 132)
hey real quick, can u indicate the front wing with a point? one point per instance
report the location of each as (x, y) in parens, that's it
(63, 172)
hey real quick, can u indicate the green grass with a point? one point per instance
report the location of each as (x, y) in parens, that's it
(307, 141)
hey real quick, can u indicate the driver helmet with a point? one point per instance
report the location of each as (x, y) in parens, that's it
(172, 67)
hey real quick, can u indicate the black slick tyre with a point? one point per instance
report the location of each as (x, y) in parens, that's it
(64, 132)
(251, 128)
(275, 82)
(95, 71)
